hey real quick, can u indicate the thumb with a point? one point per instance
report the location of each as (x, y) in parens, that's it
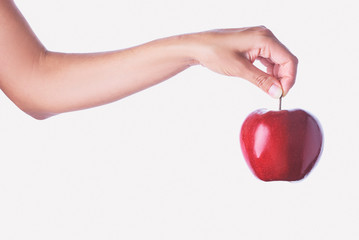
(264, 81)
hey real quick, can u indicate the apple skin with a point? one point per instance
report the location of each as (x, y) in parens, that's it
(281, 145)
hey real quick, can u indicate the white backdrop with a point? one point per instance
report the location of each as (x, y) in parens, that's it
(166, 163)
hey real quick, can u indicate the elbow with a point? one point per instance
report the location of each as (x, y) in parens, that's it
(36, 111)
(36, 104)
(37, 114)
(40, 115)
(29, 89)
(33, 104)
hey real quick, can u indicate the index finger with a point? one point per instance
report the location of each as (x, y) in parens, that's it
(285, 63)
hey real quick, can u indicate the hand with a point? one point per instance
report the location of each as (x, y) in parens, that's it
(232, 52)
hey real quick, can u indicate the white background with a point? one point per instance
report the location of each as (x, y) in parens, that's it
(166, 163)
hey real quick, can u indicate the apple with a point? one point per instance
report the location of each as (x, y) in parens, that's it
(281, 145)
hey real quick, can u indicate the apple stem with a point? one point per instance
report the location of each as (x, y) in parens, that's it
(280, 103)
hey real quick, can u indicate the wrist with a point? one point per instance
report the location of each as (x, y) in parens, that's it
(198, 46)
(188, 46)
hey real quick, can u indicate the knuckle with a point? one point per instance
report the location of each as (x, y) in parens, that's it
(262, 81)
(261, 34)
(295, 60)
(264, 31)
(264, 36)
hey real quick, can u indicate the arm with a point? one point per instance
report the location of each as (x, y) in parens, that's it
(44, 83)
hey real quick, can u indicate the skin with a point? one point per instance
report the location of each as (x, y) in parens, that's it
(43, 83)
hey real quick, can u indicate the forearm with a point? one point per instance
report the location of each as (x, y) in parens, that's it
(66, 82)
(44, 83)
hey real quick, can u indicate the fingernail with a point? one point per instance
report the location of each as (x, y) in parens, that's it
(275, 91)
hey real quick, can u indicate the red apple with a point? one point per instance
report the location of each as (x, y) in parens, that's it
(281, 145)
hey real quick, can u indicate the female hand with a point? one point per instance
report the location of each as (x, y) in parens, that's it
(232, 52)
